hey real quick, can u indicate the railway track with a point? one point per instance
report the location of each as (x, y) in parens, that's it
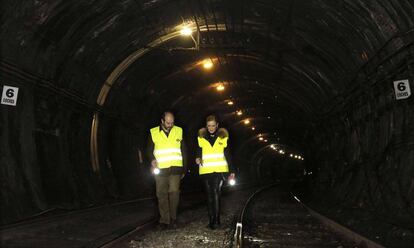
(115, 242)
(272, 217)
(103, 226)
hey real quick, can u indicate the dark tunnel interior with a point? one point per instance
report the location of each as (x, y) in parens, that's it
(305, 89)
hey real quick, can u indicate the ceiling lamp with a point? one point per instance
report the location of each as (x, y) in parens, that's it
(207, 64)
(220, 87)
(186, 31)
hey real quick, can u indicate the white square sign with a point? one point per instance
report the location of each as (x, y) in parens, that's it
(9, 95)
(402, 89)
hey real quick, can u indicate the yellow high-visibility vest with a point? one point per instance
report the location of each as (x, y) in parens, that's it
(213, 156)
(167, 150)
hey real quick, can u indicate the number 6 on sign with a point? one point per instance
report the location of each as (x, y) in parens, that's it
(9, 96)
(402, 89)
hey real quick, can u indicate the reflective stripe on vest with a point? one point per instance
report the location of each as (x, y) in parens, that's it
(213, 156)
(167, 150)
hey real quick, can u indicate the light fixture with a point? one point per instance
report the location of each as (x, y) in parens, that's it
(220, 87)
(253, 128)
(260, 138)
(186, 31)
(296, 156)
(207, 64)
(265, 140)
(239, 112)
(246, 122)
(282, 152)
(156, 171)
(230, 102)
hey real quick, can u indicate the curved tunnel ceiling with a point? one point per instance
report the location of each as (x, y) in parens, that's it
(309, 53)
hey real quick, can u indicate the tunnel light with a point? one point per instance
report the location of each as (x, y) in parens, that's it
(282, 152)
(207, 64)
(291, 155)
(239, 112)
(246, 122)
(232, 182)
(220, 87)
(296, 156)
(253, 128)
(230, 103)
(299, 157)
(186, 31)
(272, 146)
(265, 140)
(260, 138)
(156, 171)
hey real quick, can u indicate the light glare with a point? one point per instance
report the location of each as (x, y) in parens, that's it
(186, 31)
(220, 87)
(207, 64)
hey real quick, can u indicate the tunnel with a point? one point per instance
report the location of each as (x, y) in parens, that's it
(312, 92)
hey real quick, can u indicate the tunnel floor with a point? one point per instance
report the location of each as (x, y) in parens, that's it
(98, 226)
(193, 230)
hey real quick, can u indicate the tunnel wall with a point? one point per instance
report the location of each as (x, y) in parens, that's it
(362, 156)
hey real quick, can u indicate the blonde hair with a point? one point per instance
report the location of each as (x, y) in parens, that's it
(211, 118)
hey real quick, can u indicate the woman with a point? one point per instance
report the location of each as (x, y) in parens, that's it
(214, 162)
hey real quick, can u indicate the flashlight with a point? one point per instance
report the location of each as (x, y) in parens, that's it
(156, 171)
(232, 182)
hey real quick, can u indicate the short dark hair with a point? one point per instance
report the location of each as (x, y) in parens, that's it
(165, 113)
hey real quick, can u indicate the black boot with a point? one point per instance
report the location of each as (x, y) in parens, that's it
(211, 223)
(217, 220)
(216, 209)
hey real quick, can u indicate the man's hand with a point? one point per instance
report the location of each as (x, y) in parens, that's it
(154, 167)
(199, 161)
(154, 164)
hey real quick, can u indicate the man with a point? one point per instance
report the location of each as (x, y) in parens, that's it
(166, 151)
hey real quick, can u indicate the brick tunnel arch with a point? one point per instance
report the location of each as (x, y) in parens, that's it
(67, 57)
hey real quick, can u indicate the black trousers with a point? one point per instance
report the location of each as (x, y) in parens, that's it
(212, 185)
